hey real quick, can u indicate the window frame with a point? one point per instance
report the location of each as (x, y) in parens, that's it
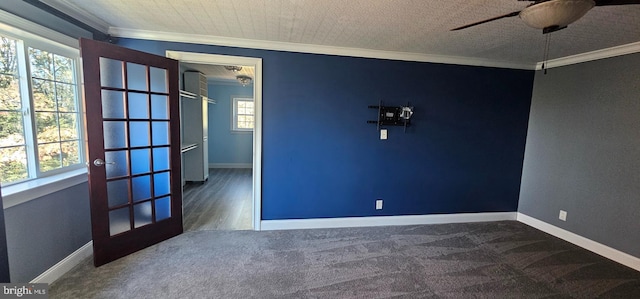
(234, 115)
(59, 46)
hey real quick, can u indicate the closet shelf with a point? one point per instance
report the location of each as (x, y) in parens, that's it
(188, 95)
(188, 147)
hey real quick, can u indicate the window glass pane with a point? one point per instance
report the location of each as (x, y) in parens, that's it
(44, 95)
(158, 79)
(8, 56)
(11, 130)
(47, 127)
(50, 156)
(68, 126)
(138, 105)
(113, 104)
(66, 97)
(111, 73)
(142, 214)
(136, 76)
(41, 64)
(13, 164)
(9, 93)
(70, 153)
(63, 69)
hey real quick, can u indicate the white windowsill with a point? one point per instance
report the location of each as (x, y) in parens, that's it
(22, 192)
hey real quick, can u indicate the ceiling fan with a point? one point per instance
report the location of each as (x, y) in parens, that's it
(553, 15)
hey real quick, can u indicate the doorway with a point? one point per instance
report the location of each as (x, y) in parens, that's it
(237, 175)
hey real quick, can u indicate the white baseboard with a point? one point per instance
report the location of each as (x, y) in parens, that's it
(63, 266)
(230, 165)
(598, 248)
(384, 220)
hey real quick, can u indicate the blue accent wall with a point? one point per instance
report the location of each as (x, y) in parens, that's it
(321, 159)
(225, 146)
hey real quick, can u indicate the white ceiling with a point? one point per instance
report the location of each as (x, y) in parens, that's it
(419, 27)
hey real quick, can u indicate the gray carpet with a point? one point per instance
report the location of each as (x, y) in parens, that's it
(477, 260)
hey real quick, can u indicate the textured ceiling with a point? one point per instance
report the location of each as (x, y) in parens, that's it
(408, 26)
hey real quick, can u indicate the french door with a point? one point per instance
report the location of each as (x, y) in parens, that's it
(133, 134)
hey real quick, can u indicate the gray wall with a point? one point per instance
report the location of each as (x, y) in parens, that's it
(583, 151)
(4, 261)
(43, 231)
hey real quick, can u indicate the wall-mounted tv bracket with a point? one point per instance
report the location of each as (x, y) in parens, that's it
(393, 116)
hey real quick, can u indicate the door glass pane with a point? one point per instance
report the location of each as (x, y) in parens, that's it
(140, 161)
(118, 192)
(163, 208)
(158, 79)
(139, 131)
(142, 214)
(138, 105)
(119, 167)
(113, 104)
(160, 158)
(160, 133)
(159, 107)
(141, 187)
(115, 134)
(161, 184)
(111, 73)
(119, 221)
(136, 76)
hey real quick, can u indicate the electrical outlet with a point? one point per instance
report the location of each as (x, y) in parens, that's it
(383, 134)
(379, 204)
(563, 215)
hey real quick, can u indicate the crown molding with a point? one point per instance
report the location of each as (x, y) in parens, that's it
(309, 48)
(79, 14)
(590, 56)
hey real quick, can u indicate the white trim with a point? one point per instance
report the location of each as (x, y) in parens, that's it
(19, 193)
(52, 274)
(590, 56)
(230, 165)
(310, 48)
(27, 29)
(588, 244)
(75, 12)
(385, 220)
(203, 58)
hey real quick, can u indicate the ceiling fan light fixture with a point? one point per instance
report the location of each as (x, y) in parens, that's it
(233, 68)
(555, 13)
(244, 80)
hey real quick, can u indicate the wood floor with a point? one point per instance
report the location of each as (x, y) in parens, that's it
(221, 203)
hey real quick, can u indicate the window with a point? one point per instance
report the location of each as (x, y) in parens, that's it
(40, 117)
(243, 117)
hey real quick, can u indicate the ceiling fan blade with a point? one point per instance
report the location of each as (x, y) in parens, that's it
(616, 2)
(512, 14)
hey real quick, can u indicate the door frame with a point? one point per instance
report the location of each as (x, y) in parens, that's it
(203, 58)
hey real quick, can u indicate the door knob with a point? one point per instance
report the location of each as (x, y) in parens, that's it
(100, 162)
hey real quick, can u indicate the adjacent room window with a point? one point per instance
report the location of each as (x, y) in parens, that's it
(243, 116)
(40, 120)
